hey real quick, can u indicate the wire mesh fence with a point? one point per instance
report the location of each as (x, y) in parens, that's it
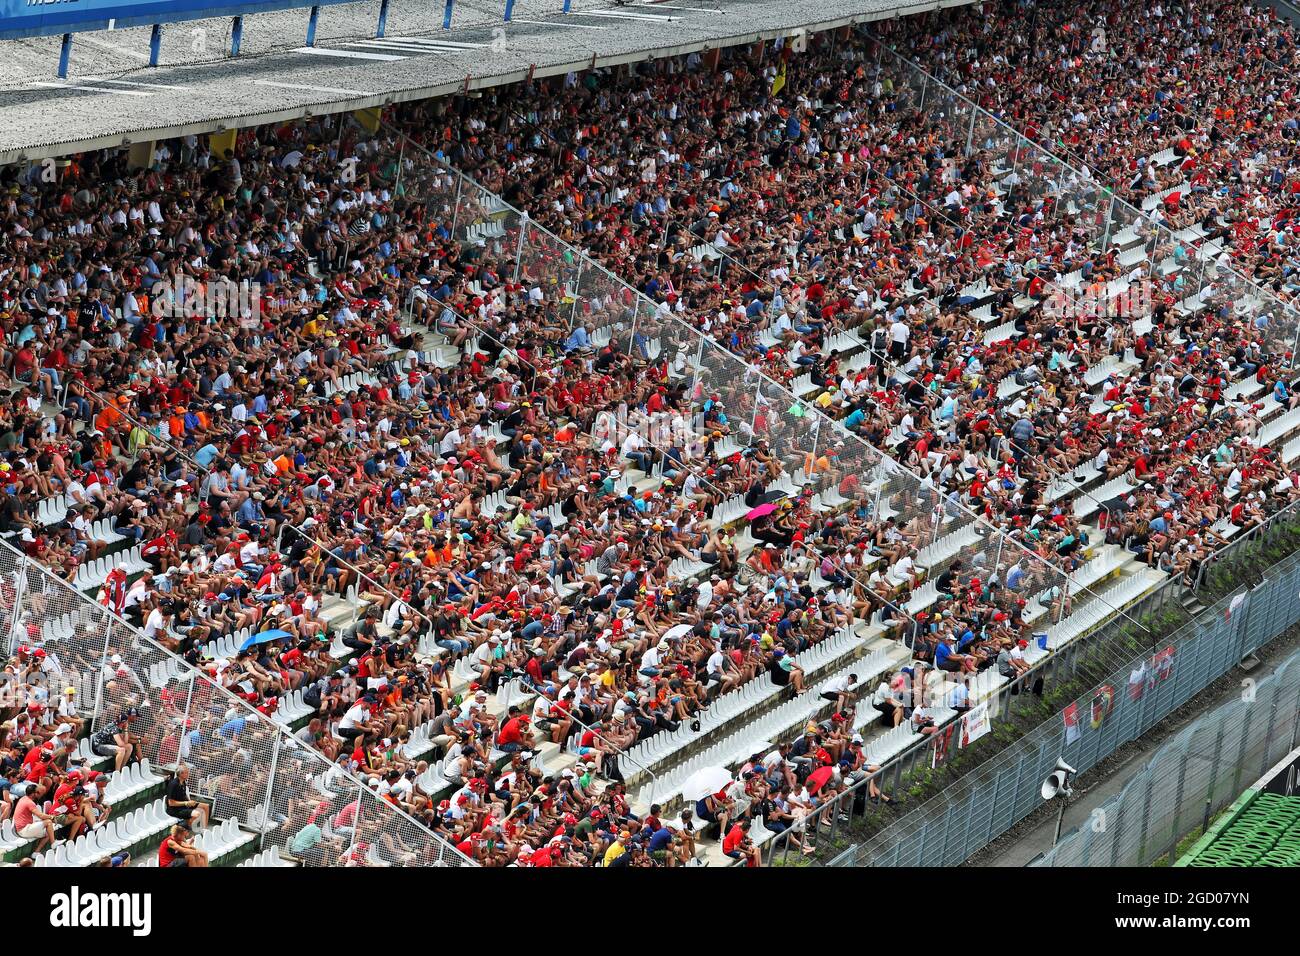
(1190, 778)
(247, 766)
(1131, 700)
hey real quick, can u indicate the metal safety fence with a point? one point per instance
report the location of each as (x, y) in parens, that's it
(1132, 699)
(250, 768)
(1262, 544)
(1192, 777)
(816, 450)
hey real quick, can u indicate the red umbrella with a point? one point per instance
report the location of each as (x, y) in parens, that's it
(761, 511)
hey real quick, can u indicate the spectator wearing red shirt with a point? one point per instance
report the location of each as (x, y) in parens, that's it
(737, 845)
(512, 734)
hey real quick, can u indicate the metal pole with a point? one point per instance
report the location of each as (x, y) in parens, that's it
(383, 20)
(236, 35)
(1214, 771)
(446, 15)
(699, 358)
(1240, 761)
(103, 661)
(753, 419)
(155, 44)
(519, 246)
(185, 725)
(631, 336)
(1268, 734)
(270, 788)
(510, 6)
(15, 613)
(401, 158)
(356, 817)
(311, 26)
(1178, 802)
(1110, 218)
(455, 209)
(1060, 818)
(65, 54)
(577, 286)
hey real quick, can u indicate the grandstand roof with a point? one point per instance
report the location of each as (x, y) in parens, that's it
(112, 97)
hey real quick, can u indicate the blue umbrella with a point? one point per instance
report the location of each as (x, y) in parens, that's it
(265, 637)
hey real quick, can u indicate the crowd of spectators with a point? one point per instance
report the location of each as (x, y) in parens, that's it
(215, 435)
(842, 204)
(307, 442)
(1195, 102)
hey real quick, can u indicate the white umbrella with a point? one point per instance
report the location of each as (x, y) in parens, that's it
(704, 782)
(676, 631)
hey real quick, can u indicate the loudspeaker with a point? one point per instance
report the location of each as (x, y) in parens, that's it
(1059, 781)
(1053, 785)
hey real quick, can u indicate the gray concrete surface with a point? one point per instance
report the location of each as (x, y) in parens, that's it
(112, 96)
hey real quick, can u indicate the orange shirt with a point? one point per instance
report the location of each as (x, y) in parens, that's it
(106, 419)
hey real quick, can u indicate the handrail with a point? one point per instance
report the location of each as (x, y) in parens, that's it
(1239, 542)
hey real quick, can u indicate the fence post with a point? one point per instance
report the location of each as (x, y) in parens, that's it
(356, 817)
(1110, 218)
(695, 378)
(631, 336)
(1119, 834)
(1214, 764)
(185, 724)
(1178, 801)
(99, 688)
(1295, 722)
(1264, 762)
(519, 246)
(577, 286)
(270, 789)
(15, 613)
(401, 158)
(455, 206)
(920, 850)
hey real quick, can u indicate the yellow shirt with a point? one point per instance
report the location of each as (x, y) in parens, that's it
(615, 850)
